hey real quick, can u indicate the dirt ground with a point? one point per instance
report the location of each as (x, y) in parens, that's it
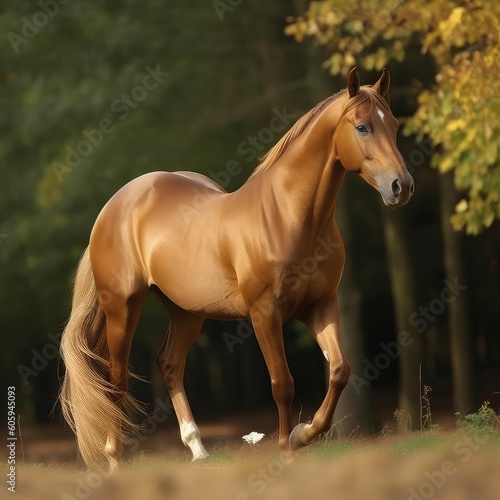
(448, 466)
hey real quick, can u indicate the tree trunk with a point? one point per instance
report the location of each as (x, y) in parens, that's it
(461, 345)
(353, 410)
(401, 274)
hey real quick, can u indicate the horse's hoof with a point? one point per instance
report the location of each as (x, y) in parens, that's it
(200, 457)
(296, 437)
(289, 456)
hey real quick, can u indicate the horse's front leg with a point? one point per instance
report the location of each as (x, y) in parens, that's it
(325, 327)
(269, 333)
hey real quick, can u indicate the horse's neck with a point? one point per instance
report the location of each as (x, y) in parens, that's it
(309, 176)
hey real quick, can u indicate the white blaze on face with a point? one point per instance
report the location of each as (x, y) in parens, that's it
(325, 354)
(380, 113)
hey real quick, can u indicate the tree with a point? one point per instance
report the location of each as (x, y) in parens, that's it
(403, 286)
(460, 338)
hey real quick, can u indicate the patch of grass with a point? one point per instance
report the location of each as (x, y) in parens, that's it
(417, 442)
(153, 462)
(329, 449)
(221, 458)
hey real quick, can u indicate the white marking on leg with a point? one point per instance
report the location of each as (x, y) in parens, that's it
(380, 113)
(325, 354)
(190, 435)
(113, 451)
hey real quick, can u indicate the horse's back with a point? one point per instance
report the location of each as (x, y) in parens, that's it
(175, 187)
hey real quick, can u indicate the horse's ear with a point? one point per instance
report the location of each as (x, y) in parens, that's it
(382, 86)
(353, 82)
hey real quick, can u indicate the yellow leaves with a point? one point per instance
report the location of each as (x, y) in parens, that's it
(454, 19)
(446, 165)
(477, 215)
(454, 125)
(491, 152)
(355, 26)
(298, 29)
(461, 206)
(377, 60)
(490, 59)
(460, 111)
(488, 219)
(470, 136)
(349, 60)
(446, 27)
(335, 63)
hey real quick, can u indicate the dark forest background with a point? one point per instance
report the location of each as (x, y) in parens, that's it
(223, 69)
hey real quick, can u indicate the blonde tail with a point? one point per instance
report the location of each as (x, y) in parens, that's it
(88, 400)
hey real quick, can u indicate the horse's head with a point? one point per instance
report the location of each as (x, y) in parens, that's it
(366, 140)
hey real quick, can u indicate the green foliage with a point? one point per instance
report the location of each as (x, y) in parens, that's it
(484, 421)
(459, 107)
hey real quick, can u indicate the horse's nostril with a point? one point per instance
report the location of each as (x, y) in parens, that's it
(396, 187)
(412, 187)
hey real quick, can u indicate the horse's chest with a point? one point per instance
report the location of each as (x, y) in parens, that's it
(313, 276)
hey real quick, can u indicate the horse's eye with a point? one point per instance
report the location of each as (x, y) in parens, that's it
(362, 129)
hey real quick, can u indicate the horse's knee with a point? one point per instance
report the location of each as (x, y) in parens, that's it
(283, 390)
(339, 375)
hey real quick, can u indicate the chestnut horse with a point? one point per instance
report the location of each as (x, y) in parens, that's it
(233, 256)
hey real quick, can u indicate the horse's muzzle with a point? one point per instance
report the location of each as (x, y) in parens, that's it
(400, 192)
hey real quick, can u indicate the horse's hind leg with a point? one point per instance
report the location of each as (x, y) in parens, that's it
(122, 316)
(183, 330)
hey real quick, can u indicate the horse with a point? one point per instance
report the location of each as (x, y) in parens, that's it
(232, 256)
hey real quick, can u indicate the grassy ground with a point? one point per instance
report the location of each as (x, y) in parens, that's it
(461, 465)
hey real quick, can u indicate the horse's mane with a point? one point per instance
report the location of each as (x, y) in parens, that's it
(277, 151)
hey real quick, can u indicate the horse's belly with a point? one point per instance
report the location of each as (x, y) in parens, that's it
(190, 270)
(206, 292)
